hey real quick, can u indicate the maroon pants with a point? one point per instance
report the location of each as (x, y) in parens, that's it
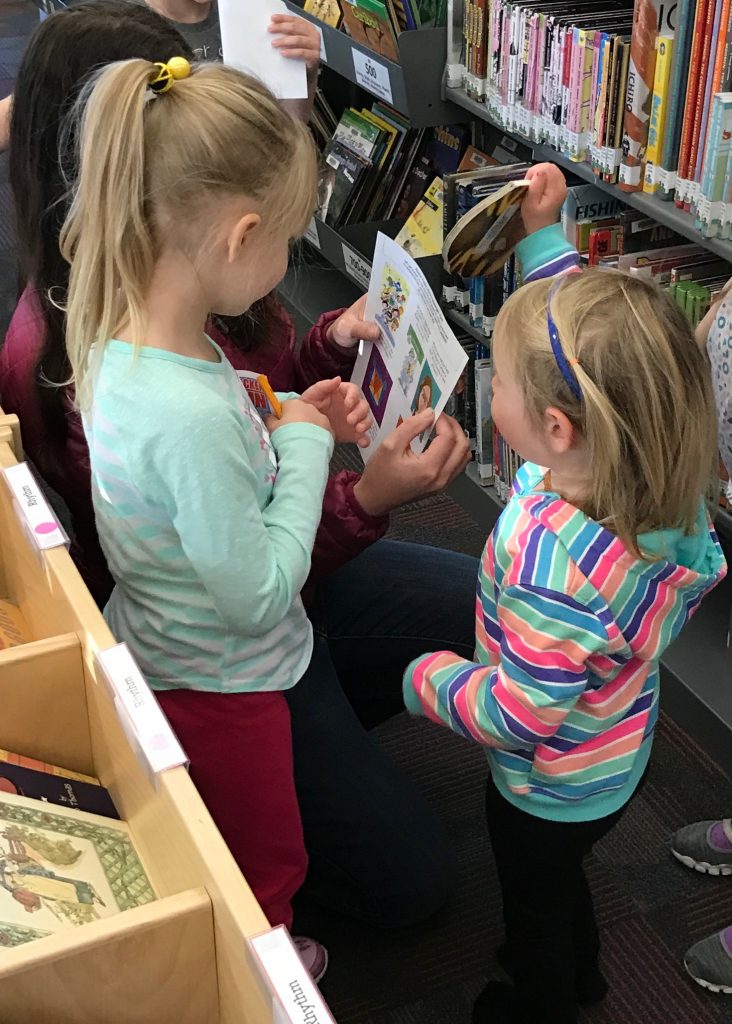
(240, 749)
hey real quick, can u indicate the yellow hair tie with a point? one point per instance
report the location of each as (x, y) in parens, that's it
(162, 78)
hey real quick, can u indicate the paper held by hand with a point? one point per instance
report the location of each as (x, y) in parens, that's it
(247, 45)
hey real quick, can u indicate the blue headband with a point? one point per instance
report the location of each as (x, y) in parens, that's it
(565, 365)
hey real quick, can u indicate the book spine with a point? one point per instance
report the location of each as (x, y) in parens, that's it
(659, 107)
(692, 92)
(483, 418)
(587, 96)
(698, 138)
(638, 93)
(726, 81)
(721, 46)
(575, 88)
(718, 173)
(666, 174)
(702, 204)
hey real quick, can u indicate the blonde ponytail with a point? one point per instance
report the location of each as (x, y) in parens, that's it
(106, 237)
(646, 410)
(149, 167)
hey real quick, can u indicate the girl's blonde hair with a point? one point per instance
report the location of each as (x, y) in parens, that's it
(150, 167)
(647, 410)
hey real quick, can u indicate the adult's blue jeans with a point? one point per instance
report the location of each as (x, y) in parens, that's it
(377, 850)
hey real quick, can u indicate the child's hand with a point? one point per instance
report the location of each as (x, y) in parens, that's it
(296, 38)
(297, 410)
(545, 197)
(350, 327)
(345, 407)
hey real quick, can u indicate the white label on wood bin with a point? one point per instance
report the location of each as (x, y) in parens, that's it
(372, 75)
(295, 997)
(140, 713)
(38, 518)
(356, 267)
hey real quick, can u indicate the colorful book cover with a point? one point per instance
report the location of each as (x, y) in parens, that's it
(358, 133)
(13, 629)
(61, 868)
(368, 22)
(659, 109)
(639, 91)
(422, 233)
(261, 394)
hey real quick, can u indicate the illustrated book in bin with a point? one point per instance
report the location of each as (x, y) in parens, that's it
(60, 869)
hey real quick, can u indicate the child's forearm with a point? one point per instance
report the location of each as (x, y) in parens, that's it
(547, 253)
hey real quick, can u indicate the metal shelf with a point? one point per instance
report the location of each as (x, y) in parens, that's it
(414, 86)
(462, 320)
(351, 249)
(652, 206)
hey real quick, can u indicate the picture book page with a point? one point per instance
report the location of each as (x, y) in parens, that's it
(418, 361)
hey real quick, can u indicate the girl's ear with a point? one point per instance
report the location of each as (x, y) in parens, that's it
(560, 433)
(241, 232)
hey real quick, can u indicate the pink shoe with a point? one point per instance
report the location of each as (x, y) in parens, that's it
(313, 954)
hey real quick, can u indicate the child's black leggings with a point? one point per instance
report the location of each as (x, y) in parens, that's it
(547, 907)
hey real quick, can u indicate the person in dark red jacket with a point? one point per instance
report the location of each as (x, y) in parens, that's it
(376, 851)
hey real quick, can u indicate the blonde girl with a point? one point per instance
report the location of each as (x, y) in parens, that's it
(191, 185)
(602, 554)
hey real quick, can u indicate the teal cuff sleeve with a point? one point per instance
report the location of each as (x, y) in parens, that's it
(544, 248)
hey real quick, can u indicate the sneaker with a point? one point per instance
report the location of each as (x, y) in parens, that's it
(313, 954)
(709, 962)
(705, 846)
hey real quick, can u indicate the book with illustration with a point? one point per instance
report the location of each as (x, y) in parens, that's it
(368, 22)
(422, 233)
(418, 361)
(62, 868)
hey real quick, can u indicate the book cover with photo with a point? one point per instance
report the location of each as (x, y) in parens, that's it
(60, 869)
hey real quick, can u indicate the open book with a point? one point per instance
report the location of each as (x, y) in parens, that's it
(482, 240)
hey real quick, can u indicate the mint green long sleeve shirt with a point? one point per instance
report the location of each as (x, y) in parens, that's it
(207, 521)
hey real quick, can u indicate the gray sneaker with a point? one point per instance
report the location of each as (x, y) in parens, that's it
(705, 846)
(709, 962)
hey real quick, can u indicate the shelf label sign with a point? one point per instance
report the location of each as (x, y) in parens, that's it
(40, 522)
(141, 716)
(311, 234)
(372, 75)
(295, 996)
(356, 267)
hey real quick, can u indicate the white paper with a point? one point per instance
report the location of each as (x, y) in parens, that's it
(296, 999)
(139, 712)
(372, 75)
(38, 519)
(247, 45)
(418, 361)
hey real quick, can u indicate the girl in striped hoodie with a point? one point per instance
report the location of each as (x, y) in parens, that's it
(599, 559)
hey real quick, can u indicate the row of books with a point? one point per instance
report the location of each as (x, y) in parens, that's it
(65, 857)
(378, 24)
(640, 92)
(376, 167)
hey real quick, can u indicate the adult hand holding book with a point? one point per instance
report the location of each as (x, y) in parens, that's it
(395, 475)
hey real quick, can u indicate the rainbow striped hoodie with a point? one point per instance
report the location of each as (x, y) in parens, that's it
(570, 626)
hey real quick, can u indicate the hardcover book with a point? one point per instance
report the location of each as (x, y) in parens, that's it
(60, 869)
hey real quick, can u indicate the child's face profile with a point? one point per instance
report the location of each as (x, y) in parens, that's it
(508, 406)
